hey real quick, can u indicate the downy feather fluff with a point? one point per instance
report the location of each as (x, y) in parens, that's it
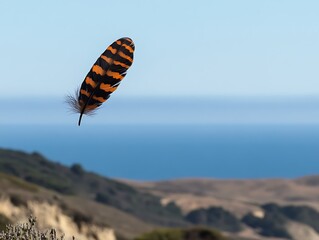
(104, 77)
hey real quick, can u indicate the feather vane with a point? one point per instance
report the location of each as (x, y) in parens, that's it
(104, 77)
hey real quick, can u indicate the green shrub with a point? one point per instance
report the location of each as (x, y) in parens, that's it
(77, 169)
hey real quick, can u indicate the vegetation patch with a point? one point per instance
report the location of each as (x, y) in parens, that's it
(74, 180)
(183, 234)
(4, 221)
(18, 182)
(28, 231)
(272, 224)
(18, 201)
(215, 217)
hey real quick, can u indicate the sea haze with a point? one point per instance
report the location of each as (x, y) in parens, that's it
(164, 138)
(166, 110)
(155, 152)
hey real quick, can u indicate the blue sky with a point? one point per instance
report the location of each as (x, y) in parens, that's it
(197, 52)
(183, 48)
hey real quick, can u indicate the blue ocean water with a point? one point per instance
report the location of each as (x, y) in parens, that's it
(157, 152)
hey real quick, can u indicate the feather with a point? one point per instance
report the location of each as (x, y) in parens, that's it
(103, 78)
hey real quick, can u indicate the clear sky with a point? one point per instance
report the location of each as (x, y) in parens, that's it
(183, 48)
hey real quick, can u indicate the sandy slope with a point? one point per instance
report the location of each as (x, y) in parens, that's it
(241, 197)
(238, 196)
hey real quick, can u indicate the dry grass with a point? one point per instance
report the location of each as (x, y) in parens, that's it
(28, 231)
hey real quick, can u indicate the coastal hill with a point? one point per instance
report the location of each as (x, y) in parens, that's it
(84, 204)
(83, 197)
(237, 196)
(248, 200)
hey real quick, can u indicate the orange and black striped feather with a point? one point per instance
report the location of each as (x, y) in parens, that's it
(104, 76)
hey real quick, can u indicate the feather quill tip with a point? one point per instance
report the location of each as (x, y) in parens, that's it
(75, 106)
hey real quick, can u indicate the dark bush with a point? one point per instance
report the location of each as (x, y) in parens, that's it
(102, 198)
(77, 169)
(216, 217)
(80, 218)
(173, 208)
(202, 234)
(182, 234)
(18, 200)
(162, 234)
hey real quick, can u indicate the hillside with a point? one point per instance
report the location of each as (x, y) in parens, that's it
(75, 181)
(237, 196)
(243, 198)
(68, 214)
(81, 203)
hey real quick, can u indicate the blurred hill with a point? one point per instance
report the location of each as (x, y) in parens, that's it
(245, 198)
(28, 180)
(237, 196)
(84, 204)
(75, 181)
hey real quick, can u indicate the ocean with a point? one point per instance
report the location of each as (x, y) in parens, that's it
(159, 152)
